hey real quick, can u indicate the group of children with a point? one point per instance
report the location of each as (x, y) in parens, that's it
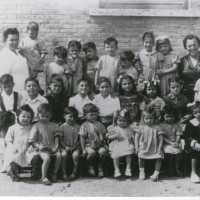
(120, 107)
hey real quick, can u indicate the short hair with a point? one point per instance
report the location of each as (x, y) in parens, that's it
(103, 80)
(10, 31)
(88, 45)
(90, 108)
(25, 108)
(83, 80)
(161, 42)
(175, 80)
(56, 78)
(122, 114)
(190, 37)
(169, 109)
(127, 56)
(111, 39)
(44, 108)
(32, 79)
(74, 43)
(148, 35)
(33, 26)
(6, 79)
(60, 51)
(71, 110)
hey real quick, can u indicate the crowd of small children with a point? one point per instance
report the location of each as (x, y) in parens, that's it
(116, 106)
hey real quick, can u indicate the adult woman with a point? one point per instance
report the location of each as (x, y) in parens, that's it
(189, 67)
(11, 62)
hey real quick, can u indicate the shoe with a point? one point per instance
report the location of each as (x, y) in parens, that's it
(54, 178)
(72, 177)
(17, 178)
(117, 174)
(100, 173)
(45, 181)
(179, 173)
(64, 177)
(154, 177)
(91, 171)
(195, 178)
(13, 178)
(142, 175)
(128, 172)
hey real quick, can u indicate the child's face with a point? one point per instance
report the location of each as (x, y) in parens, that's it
(33, 34)
(126, 64)
(164, 49)
(148, 119)
(56, 87)
(169, 118)
(151, 91)
(127, 85)
(91, 117)
(59, 59)
(122, 122)
(12, 42)
(32, 88)
(83, 87)
(69, 118)
(44, 117)
(196, 113)
(74, 51)
(148, 44)
(110, 48)
(8, 88)
(91, 53)
(24, 118)
(104, 89)
(175, 88)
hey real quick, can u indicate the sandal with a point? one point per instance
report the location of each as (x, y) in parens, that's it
(45, 181)
(72, 177)
(64, 177)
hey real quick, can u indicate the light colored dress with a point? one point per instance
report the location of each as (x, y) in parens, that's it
(15, 65)
(129, 71)
(170, 133)
(123, 147)
(197, 91)
(148, 142)
(168, 62)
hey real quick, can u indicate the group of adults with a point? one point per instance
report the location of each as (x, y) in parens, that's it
(11, 62)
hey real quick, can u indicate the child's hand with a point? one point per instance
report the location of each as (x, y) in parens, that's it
(136, 150)
(55, 149)
(67, 149)
(174, 144)
(159, 150)
(84, 152)
(120, 138)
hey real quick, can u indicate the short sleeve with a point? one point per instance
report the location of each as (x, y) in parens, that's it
(197, 86)
(110, 132)
(83, 131)
(175, 59)
(138, 131)
(159, 130)
(160, 57)
(10, 135)
(72, 102)
(33, 136)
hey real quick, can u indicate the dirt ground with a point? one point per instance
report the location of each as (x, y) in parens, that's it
(106, 187)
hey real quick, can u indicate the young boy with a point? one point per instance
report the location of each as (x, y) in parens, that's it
(92, 138)
(89, 62)
(107, 65)
(33, 50)
(34, 99)
(44, 137)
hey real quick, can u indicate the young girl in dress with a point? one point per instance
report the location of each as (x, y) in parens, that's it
(148, 143)
(16, 154)
(129, 98)
(106, 102)
(57, 98)
(169, 68)
(151, 92)
(151, 60)
(75, 62)
(172, 144)
(121, 139)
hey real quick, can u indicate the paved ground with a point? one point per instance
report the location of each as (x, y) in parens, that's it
(95, 187)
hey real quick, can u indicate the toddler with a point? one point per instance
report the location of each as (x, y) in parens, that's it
(107, 65)
(92, 139)
(44, 138)
(148, 143)
(122, 142)
(70, 141)
(33, 50)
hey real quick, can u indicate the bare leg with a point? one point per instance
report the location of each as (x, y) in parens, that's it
(45, 165)
(128, 162)
(158, 164)
(64, 160)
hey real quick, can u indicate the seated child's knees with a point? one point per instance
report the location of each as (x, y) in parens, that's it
(91, 152)
(76, 154)
(64, 154)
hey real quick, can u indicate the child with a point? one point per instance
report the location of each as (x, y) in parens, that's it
(106, 102)
(122, 142)
(33, 50)
(170, 63)
(34, 99)
(44, 138)
(152, 90)
(197, 91)
(57, 99)
(151, 60)
(129, 98)
(107, 65)
(148, 143)
(16, 154)
(192, 141)
(92, 138)
(75, 62)
(60, 67)
(89, 62)
(126, 65)
(70, 142)
(82, 98)
(172, 144)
